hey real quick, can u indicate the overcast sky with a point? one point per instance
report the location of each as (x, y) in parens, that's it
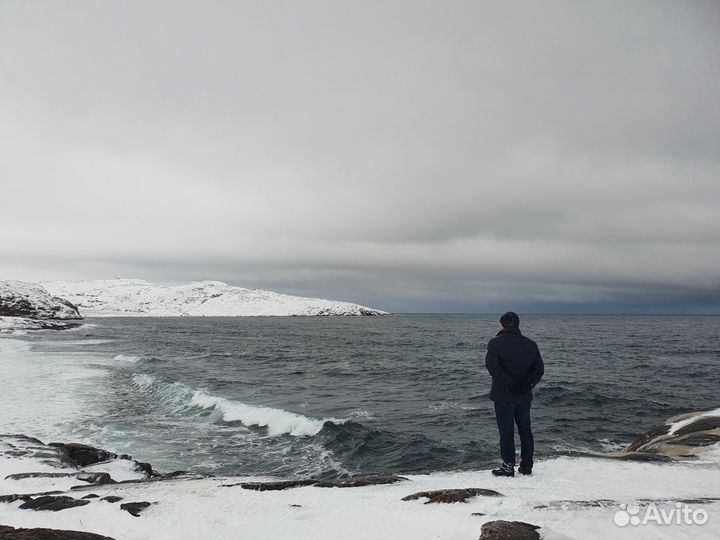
(415, 156)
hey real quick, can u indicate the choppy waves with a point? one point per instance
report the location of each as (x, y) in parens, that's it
(277, 421)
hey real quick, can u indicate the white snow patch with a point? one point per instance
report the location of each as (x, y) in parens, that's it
(567, 497)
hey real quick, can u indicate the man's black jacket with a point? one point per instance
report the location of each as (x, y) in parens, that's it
(512, 358)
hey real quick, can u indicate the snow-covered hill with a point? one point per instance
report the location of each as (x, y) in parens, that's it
(32, 301)
(199, 298)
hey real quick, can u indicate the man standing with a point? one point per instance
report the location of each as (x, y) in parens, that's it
(515, 364)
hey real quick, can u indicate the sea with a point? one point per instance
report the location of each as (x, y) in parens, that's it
(323, 397)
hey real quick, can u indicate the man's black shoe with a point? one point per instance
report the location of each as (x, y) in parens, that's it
(504, 470)
(525, 469)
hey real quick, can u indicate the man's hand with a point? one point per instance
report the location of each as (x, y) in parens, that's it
(520, 387)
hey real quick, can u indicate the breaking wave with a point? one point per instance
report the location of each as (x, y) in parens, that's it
(277, 421)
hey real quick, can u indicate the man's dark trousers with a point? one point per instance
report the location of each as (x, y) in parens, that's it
(507, 416)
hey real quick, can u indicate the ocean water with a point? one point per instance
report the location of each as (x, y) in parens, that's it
(322, 397)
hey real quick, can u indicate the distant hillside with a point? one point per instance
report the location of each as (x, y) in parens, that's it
(131, 297)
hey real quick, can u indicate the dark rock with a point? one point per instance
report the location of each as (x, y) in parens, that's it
(14, 497)
(21, 476)
(452, 495)
(703, 424)
(509, 530)
(112, 498)
(51, 503)
(99, 478)
(479, 514)
(696, 439)
(11, 533)
(135, 508)
(643, 456)
(91, 496)
(695, 501)
(124, 456)
(145, 468)
(654, 433)
(274, 486)
(358, 480)
(173, 474)
(295, 505)
(30, 447)
(84, 455)
(91, 478)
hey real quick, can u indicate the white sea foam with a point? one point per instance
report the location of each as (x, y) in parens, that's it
(611, 446)
(277, 421)
(361, 413)
(127, 358)
(44, 394)
(83, 342)
(450, 405)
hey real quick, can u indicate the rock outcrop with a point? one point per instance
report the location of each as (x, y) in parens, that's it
(135, 508)
(452, 495)
(11, 533)
(84, 455)
(53, 503)
(32, 301)
(509, 530)
(274, 486)
(680, 437)
(22, 446)
(98, 478)
(358, 480)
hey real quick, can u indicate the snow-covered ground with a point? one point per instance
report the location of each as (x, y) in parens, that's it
(200, 298)
(568, 497)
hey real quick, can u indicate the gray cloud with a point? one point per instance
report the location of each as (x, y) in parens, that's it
(414, 155)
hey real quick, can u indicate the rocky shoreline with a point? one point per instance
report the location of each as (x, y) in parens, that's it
(70, 474)
(81, 457)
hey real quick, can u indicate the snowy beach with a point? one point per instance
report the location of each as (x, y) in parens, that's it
(567, 497)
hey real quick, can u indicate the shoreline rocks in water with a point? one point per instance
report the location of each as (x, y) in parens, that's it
(680, 437)
(84, 455)
(80, 457)
(540, 500)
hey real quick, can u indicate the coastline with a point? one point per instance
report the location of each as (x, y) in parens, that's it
(568, 496)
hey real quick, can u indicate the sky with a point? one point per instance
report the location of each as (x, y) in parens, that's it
(446, 156)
